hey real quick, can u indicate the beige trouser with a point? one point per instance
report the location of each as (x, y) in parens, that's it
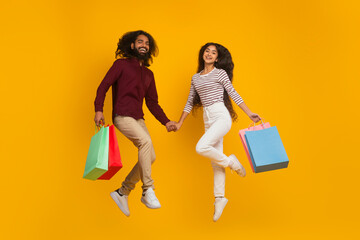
(136, 131)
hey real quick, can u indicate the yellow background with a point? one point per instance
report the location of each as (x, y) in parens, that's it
(296, 64)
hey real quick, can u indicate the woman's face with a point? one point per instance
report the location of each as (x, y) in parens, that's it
(210, 55)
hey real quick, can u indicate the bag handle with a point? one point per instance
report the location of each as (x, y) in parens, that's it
(98, 128)
(254, 123)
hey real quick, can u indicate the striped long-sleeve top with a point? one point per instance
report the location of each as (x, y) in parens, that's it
(210, 88)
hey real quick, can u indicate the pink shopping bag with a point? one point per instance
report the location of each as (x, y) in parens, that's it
(243, 140)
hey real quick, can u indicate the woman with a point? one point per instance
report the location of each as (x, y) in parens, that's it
(211, 88)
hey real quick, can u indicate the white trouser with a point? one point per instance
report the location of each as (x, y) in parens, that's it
(217, 121)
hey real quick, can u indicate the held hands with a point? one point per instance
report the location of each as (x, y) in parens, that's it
(171, 127)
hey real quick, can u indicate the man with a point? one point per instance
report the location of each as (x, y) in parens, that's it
(132, 82)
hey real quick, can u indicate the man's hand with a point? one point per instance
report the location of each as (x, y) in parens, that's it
(99, 119)
(170, 126)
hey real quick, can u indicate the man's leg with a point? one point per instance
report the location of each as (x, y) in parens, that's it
(136, 131)
(145, 172)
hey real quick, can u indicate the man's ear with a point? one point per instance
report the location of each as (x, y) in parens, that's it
(132, 46)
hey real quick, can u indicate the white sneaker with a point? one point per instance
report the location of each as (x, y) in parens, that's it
(121, 201)
(220, 204)
(236, 166)
(149, 199)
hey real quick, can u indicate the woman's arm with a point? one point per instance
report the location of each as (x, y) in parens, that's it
(188, 107)
(225, 81)
(181, 120)
(253, 116)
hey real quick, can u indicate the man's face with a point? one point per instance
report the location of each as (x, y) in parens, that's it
(141, 45)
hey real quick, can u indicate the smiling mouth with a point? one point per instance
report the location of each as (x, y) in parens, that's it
(142, 50)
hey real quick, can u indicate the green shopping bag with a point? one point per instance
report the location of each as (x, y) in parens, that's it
(98, 155)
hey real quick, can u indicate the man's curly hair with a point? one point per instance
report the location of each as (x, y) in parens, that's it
(124, 47)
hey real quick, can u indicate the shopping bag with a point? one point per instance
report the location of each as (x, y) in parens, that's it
(114, 156)
(266, 149)
(98, 155)
(243, 140)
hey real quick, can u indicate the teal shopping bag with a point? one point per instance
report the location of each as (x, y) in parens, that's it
(266, 149)
(98, 155)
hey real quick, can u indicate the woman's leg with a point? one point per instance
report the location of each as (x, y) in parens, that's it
(219, 174)
(215, 133)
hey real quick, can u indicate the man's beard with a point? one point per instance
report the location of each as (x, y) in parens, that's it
(144, 57)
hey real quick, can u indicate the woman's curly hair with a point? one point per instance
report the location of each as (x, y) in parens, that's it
(224, 61)
(124, 47)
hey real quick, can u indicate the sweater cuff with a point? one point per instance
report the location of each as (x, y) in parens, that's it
(98, 108)
(165, 121)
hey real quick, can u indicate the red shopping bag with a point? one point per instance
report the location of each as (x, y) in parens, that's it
(114, 156)
(243, 140)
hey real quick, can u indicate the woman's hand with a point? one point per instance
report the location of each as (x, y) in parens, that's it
(254, 117)
(178, 126)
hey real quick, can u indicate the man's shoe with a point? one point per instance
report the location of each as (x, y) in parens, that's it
(149, 199)
(122, 201)
(236, 166)
(219, 204)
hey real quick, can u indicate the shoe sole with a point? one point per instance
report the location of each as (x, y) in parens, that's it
(114, 196)
(149, 206)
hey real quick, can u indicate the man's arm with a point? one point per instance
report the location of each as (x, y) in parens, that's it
(151, 100)
(111, 76)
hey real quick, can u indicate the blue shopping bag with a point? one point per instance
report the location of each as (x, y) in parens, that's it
(97, 160)
(266, 149)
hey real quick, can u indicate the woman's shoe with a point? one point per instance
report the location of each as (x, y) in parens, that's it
(236, 166)
(219, 204)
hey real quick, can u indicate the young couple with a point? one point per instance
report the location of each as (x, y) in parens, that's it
(132, 82)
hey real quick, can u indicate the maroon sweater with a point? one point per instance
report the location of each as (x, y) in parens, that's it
(131, 83)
